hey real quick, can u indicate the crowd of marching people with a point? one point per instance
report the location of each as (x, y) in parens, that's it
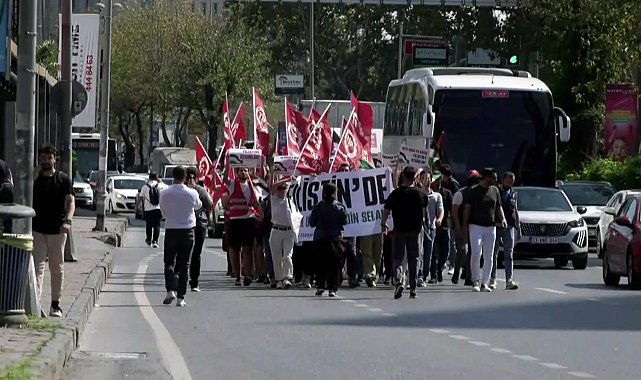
(438, 227)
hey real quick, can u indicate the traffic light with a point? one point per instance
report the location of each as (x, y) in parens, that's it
(514, 60)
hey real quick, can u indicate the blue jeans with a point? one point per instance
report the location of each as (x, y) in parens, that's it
(441, 251)
(507, 237)
(268, 256)
(428, 246)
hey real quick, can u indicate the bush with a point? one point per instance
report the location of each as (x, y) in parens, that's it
(622, 175)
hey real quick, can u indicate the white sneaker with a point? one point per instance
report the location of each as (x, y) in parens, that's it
(195, 289)
(486, 289)
(55, 312)
(287, 284)
(279, 285)
(511, 285)
(181, 302)
(154, 245)
(450, 271)
(477, 286)
(171, 296)
(492, 283)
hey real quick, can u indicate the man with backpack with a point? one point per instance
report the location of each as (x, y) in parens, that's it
(150, 197)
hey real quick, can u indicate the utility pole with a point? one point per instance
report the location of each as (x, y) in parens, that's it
(311, 44)
(105, 84)
(400, 51)
(26, 107)
(65, 116)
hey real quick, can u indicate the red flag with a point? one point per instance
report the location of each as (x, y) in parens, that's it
(350, 149)
(294, 136)
(261, 129)
(364, 124)
(238, 125)
(229, 135)
(204, 163)
(316, 153)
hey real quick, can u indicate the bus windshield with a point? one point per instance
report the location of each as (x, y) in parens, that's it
(505, 130)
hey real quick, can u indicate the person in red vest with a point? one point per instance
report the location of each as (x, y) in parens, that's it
(241, 202)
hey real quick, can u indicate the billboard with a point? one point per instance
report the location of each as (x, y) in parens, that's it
(620, 120)
(85, 32)
(4, 37)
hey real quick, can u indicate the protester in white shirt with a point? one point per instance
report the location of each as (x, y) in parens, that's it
(281, 239)
(151, 210)
(178, 204)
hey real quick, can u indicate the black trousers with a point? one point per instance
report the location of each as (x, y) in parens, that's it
(402, 243)
(200, 233)
(178, 246)
(329, 265)
(388, 259)
(152, 225)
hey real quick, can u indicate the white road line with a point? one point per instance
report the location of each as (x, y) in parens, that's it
(593, 299)
(348, 301)
(170, 354)
(526, 357)
(439, 331)
(360, 305)
(501, 350)
(459, 337)
(551, 291)
(553, 365)
(582, 375)
(480, 344)
(374, 310)
(389, 315)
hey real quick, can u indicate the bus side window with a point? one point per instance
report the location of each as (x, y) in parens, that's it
(420, 107)
(390, 107)
(409, 116)
(400, 114)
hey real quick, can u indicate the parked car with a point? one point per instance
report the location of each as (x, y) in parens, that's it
(216, 221)
(82, 192)
(622, 251)
(92, 179)
(551, 227)
(613, 206)
(122, 191)
(593, 195)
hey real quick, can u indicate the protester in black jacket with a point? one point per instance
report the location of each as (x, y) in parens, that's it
(329, 218)
(202, 220)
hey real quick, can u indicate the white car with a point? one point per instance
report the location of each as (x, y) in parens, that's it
(82, 192)
(551, 227)
(612, 208)
(593, 195)
(122, 191)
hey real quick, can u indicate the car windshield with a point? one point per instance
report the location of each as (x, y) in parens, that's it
(129, 184)
(588, 194)
(542, 200)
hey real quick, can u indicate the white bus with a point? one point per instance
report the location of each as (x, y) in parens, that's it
(87, 147)
(495, 118)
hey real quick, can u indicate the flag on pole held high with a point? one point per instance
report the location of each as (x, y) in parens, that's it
(316, 153)
(238, 125)
(261, 126)
(364, 122)
(350, 148)
(293, 133)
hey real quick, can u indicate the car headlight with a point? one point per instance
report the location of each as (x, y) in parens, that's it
(577, 223)
(120, 196)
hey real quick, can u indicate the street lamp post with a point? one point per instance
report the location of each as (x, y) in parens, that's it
(311, 44)
(105, 84)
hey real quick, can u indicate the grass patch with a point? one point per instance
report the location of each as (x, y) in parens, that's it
(18, 371)
(22, 369)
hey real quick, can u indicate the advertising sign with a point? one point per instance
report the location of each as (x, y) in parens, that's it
(430, 53)
(85, 31)
(289, 84)
(4, 37)
(620, 120)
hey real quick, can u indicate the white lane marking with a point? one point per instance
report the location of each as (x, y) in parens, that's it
(170, 354)
(526, 357)
(582, 375)
(551, 291)
(389, 315)
(501, 350)
(478, 343)
(348, 301)
(459, 337)
(593, 299)
(439, 331)
(360, 305)
(553, 365)
(375, 310)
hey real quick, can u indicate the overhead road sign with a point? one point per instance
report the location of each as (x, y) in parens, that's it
(453, 3)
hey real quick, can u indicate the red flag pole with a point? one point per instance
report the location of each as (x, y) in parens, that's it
(316, 125)
(254, 114)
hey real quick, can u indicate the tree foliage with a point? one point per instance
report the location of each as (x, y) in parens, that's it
(174, 65)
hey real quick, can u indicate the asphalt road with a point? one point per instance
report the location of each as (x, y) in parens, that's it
(561, 324)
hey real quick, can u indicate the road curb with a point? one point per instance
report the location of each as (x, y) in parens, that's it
(117, 234)
(49, 363)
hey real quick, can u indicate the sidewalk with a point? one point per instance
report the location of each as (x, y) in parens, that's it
(40, 349)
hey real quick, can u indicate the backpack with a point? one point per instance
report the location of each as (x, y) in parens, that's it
(154, 194)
